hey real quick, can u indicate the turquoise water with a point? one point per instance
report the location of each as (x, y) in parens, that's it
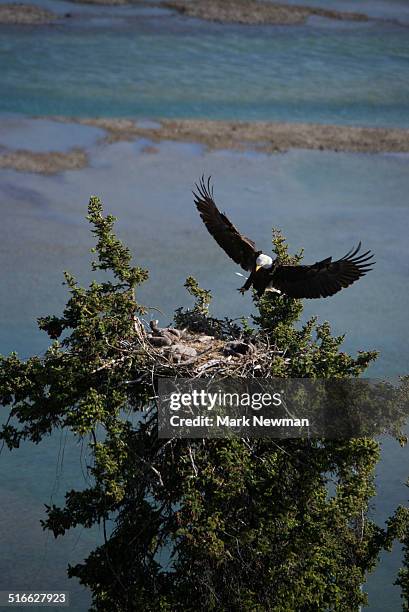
(146, 62)
(170, 66)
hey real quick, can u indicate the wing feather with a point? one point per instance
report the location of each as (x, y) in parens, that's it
(324, 278)
(239, 248)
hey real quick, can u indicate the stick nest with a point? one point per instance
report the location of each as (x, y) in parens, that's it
(220, 349)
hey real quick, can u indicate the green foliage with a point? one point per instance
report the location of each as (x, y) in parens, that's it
(197, 524)
(112, 254)
(275, 310)
(198, 319)
(403, 578)
(80, 380)
(203, 297)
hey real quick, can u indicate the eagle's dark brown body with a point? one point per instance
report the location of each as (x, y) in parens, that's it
(259, 280)
(322, 279)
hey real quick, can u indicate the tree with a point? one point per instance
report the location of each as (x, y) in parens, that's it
(210, 524)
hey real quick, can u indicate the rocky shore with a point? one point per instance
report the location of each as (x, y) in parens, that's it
(44, 163)
(264, 137)
(103, 2)
(20, 14)
(267, 137)
(255, 12)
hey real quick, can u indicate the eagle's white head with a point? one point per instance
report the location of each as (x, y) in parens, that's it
(263, 261)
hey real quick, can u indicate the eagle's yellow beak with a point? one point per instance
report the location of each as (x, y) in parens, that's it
(258, 268)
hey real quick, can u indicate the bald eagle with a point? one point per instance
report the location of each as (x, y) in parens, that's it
(322, 279)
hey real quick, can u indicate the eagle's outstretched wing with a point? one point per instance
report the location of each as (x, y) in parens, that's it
(242, 250)
(323, 278)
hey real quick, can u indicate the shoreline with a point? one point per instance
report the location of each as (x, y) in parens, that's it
(247, 12)
(104, 2)
(256, 12)
(262, 136)
(49, 163)
(240, 136)
(14, 13)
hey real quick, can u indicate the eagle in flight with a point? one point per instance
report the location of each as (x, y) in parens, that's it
(318, 280)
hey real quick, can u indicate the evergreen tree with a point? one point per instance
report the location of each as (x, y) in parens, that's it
(209, 524)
